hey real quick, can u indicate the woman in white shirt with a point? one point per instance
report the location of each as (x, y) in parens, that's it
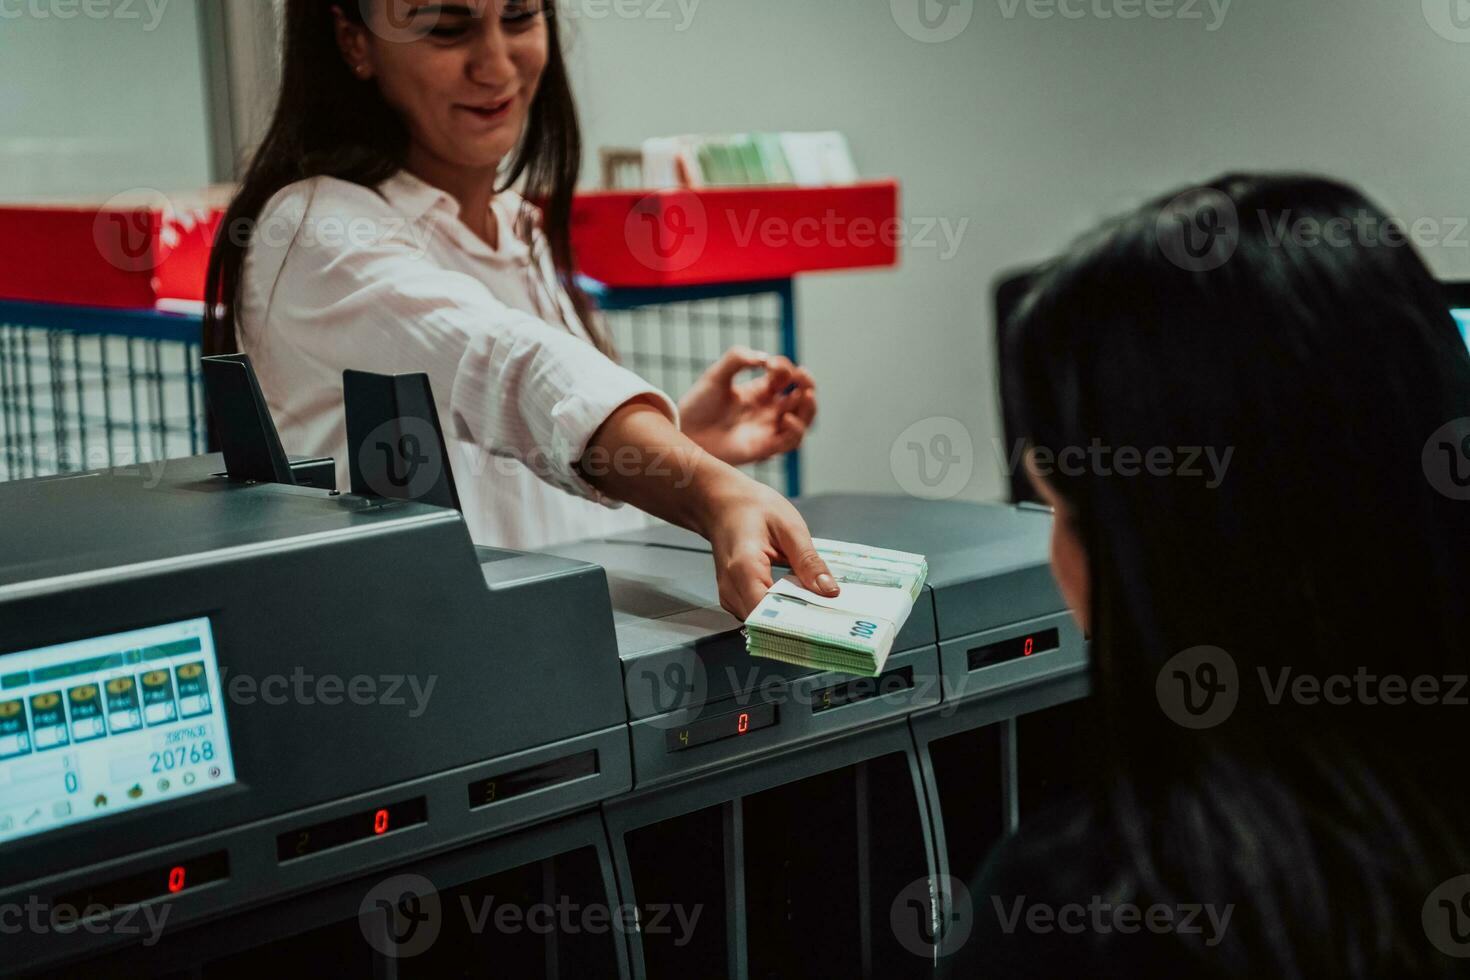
(376, 231)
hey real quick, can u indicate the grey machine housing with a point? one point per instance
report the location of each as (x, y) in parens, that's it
(599, 651)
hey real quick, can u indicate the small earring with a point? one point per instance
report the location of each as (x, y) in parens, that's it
(362, 70)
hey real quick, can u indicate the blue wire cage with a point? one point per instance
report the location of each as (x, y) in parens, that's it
(83, 388)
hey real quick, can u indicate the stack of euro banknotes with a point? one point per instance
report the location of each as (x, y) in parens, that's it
(853, 632)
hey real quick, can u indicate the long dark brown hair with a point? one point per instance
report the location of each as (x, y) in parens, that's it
(329, 123)
(1331, 547)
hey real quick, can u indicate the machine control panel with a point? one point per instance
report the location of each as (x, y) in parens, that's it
(96, 727)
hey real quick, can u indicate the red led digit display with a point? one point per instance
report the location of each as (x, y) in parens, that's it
(350, 829)
(1014, 648)
(162, 882)
(730, 724)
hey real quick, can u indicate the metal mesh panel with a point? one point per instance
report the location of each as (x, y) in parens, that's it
(84, 389)
(73, 401)
(671, 345)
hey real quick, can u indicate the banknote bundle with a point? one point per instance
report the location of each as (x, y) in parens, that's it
(853, 632)
(749, 160)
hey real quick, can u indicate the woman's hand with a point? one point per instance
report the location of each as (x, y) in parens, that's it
(749, 526)
(754, 421)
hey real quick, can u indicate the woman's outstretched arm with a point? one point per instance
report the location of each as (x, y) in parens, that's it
(639, 456)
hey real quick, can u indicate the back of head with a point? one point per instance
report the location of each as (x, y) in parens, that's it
(1242, 393)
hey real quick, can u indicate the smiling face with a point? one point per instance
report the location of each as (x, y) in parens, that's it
(462, 75)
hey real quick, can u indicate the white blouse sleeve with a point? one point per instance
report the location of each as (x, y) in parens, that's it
(368, 298)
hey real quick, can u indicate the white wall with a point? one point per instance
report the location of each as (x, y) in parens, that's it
(1031, 129)
(100, 97)
(1027, 128)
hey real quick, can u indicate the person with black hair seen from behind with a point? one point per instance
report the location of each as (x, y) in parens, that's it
(1274, 658)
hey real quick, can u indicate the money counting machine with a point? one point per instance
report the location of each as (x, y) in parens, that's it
(256, 726)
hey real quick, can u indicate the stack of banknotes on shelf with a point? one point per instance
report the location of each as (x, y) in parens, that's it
(853, 632)
(748, 160)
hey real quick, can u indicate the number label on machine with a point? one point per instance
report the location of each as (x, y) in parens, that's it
(862, 689)
(101, 726)
(508, 786)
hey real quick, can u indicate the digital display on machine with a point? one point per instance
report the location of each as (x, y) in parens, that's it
(98, 727)
(161, 882)
(377, 822)
(1014, 649)
(731, 724)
